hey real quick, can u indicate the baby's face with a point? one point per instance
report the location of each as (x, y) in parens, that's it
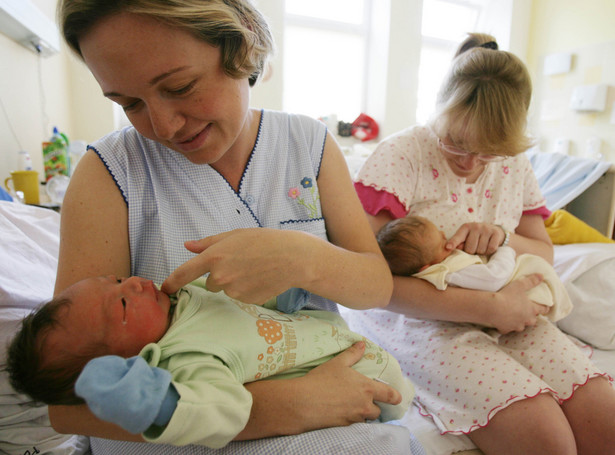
(435, 242)
(124, 314)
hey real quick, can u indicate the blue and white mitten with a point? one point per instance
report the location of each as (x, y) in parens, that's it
(127, 392)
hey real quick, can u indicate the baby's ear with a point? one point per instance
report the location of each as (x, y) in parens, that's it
(424, 267)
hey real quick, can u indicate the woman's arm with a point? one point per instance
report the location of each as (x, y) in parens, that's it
(254, 265)
(94, 226)
(93, 242)
(332, 394)
(507, 310)
(531, 237)
(358, 263)
(80, 420)
(344, 397)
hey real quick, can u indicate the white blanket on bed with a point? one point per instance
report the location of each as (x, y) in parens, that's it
(562, 178)
(29, 252)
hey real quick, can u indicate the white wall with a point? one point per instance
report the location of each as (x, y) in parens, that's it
(66, 96)
(587, 31)
(33, 108)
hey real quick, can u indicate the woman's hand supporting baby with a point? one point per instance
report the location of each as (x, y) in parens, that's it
(507, 310)
(345, 396)
(512, 310)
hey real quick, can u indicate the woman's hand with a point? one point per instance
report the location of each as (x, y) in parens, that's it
(477, 238)
(350, 395)
(251, 265)
(332, 394)
(513, 311)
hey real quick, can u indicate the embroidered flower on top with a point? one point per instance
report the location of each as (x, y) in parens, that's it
(312, 206)
(293, 193)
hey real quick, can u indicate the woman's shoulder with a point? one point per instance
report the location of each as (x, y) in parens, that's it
(294, 120)
(408, 144)
(289, 133)
(122, 142)
(518, 164)
(414, 132)
(128, 132)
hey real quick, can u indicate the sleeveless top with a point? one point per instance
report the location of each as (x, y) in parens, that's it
(171, 200)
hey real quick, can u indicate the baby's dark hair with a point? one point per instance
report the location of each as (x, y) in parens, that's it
(401, 242)
(30, 370)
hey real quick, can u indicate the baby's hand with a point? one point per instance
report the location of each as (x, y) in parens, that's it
(127, 392)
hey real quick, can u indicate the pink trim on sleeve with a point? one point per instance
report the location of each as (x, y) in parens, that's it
(543, 211)
(375, 201)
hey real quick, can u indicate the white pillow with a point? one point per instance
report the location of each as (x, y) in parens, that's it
(588, 273)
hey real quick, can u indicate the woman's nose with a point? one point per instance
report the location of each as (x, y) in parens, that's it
(470, 160)
(165, 119)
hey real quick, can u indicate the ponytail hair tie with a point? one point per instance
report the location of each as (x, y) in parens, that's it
(490, 45)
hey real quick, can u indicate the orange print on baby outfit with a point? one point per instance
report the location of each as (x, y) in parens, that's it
(271, 331)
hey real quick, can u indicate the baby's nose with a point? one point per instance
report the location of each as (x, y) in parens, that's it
(134, 283)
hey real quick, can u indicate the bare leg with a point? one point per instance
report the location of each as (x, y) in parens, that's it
(591, 413)
(532, 426)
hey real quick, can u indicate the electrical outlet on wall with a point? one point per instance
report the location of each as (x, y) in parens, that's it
(561, 145)
(593, 147)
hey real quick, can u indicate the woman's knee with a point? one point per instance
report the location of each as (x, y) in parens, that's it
(590, 413)
(531, 426)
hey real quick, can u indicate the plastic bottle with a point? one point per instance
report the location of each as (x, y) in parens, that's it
(55, 155)
(24, 162)
(76, 150)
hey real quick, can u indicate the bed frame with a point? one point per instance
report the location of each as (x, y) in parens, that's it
(596, 205)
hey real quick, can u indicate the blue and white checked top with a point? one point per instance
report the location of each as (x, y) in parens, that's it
(171, 200)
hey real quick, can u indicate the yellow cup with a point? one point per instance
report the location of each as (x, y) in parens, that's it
(26, 181)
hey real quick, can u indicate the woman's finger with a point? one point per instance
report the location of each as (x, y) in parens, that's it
(458, 237)
(198, 246)
(185, 273)
(384, 393)
(351, 355)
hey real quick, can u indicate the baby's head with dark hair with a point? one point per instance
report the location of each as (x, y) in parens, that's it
(33, 366)
(94, 317)
(401, 242)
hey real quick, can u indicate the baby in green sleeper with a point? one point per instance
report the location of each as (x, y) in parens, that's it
(173, 368)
